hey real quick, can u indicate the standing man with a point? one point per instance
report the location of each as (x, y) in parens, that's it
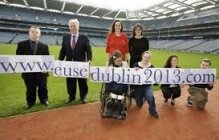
(32, 81)
(76, 47)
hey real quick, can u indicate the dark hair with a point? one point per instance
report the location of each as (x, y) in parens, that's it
(168, 62)
(206, 61)
(115, 55)
(113, 26)
(138, 25)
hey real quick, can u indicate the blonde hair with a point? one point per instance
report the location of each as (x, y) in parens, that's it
(148, 52)
(35, 27)
(206, 60)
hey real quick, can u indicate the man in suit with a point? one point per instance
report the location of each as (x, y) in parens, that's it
(32, 81)
(76, 47)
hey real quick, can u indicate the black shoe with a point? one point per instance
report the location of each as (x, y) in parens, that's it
(165, 100)
(172, 102)
(28, 106)
(156, 115)
(117, 114)
(69, 101)
(46, 103)
(108, 113)
(189, 102)
(119, 117)
(84, 101)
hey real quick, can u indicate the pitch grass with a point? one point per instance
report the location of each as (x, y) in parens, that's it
(12, 88)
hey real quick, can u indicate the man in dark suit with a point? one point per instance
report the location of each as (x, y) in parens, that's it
(32, 81)
(76, 47)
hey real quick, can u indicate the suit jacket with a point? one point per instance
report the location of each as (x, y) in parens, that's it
(24, 48)
(82, 51)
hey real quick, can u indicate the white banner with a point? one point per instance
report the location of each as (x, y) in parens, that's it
(26, 63)
(152, 75)
(71, 69)
(119, 75)
(37, 63)
(178, 76)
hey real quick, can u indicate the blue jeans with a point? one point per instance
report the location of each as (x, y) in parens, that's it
(142, 93)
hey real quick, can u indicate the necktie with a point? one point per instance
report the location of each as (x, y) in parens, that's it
(73, 43)
(34, 47)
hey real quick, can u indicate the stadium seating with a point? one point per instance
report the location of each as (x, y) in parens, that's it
(173, 33)
(208, 46)
(6, 37)
(187, 44)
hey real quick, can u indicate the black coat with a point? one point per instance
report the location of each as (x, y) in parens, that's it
(82, 51)
(24, 48)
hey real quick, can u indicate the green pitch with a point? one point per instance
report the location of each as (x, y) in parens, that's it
(12, 88)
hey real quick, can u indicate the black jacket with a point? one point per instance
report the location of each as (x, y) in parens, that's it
(82, 51)
(24, 48)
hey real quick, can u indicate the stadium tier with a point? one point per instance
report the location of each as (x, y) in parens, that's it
(197, 31)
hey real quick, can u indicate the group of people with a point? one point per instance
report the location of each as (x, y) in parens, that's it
(76, 47)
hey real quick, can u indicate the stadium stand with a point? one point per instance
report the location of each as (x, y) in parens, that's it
(187, 44)
(7, 37)
(197, 31)
(208, 46)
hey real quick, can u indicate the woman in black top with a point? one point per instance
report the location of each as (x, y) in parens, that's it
(137, 44)
(171, 91)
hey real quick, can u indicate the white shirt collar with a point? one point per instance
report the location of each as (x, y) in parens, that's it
(76, 35)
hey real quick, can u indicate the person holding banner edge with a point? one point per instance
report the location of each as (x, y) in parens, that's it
(76, 47)
(32, 81)
(115, 106)
(171, 91)
(145, 92)
(198, 94)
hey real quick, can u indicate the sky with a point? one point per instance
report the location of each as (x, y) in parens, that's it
(119, 4)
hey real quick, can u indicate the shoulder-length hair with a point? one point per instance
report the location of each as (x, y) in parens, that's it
(138, 25)
(113, 26)
(168, 62)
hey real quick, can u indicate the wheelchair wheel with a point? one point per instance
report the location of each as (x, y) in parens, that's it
(124, 115)
(102, 110)
(102, 106)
